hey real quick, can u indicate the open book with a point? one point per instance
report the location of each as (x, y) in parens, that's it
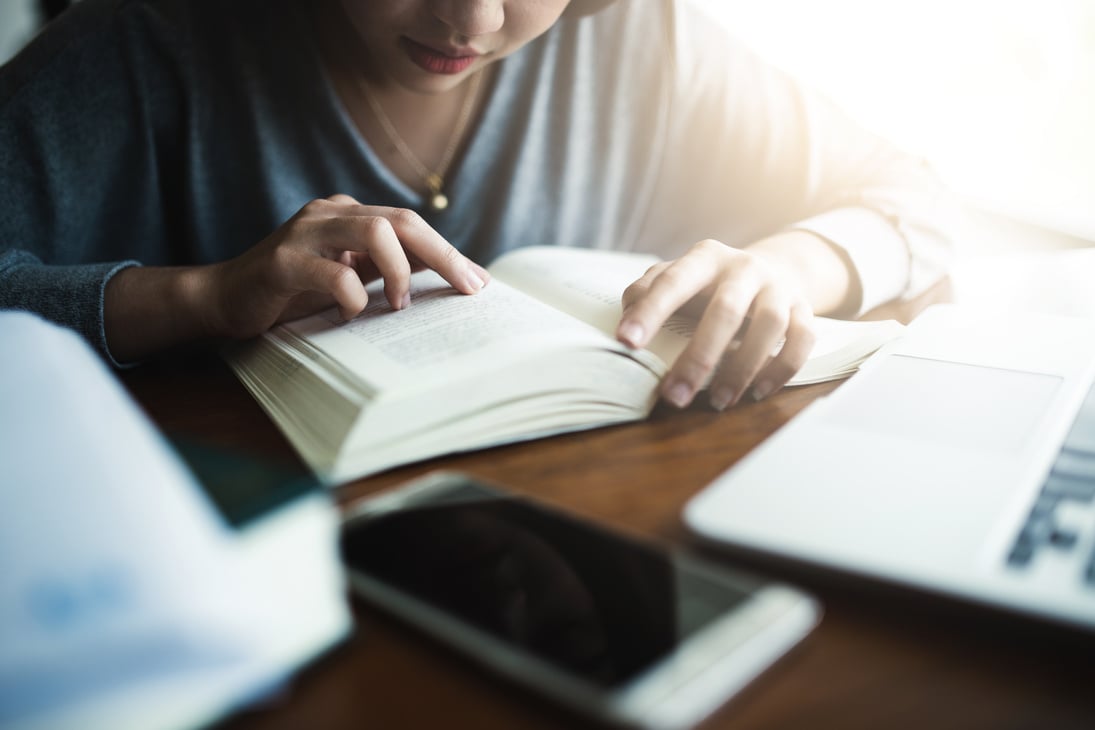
(532, 354)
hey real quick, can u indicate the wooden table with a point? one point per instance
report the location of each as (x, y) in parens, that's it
(879, 659)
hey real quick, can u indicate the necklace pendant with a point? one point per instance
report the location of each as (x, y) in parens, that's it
(438, 201)
(435, 199)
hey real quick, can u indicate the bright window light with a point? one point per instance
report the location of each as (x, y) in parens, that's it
(999, 95)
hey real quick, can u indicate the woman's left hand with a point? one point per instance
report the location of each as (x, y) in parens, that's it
(746, 304)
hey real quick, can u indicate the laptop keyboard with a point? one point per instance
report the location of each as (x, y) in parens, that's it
(1063, 516)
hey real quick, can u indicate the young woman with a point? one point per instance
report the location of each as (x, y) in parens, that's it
(175, 170)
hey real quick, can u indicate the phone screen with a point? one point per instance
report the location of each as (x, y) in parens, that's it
(597, 605)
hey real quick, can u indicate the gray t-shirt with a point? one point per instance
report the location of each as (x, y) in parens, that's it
(185, 131)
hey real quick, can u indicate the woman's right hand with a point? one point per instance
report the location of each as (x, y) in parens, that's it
(325, 255)
(321, 257)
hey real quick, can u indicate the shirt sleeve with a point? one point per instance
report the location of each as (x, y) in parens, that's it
(69, 295)
(757, 153)
(80, 109)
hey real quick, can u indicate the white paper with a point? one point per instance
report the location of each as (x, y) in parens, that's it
(119, 581)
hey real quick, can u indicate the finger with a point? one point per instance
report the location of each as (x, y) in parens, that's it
(341, 199)
(638, 288)
(318, 274)
(385, 252)
(721, 321)
(769, 321)
(422, 245)
(363, 265)
(431, 248)
(670, 289)
(329, 207)
(791, 357)
(368, 272)
(306, 303)
(415, 262)
(364, 243)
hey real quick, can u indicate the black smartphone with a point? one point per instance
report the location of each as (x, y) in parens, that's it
(627, 630)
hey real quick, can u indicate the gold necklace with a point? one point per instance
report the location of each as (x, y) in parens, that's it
(435, 179)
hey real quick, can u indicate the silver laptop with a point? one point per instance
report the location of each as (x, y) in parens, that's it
(960, 459)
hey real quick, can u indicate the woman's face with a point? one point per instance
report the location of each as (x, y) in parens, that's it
(431, 46)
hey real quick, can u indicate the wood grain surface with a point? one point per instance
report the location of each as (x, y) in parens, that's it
(881, 657)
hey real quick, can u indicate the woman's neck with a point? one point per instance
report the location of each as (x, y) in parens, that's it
(430, 126)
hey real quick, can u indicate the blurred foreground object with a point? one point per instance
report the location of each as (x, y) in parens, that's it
(127, 599)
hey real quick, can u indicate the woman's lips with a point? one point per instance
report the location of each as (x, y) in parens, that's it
(435, 61)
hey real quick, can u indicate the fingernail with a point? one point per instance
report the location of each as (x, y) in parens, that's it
(406, 301)
(678, 394)
(761, 390)
(632, 334)
(474, 280)
(722, 397)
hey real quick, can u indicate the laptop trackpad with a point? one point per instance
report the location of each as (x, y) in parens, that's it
(964, 406)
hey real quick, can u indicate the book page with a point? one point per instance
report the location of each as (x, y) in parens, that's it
(589, 284)
(442, 328)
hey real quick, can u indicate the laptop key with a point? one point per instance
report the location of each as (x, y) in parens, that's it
(1067, 486)
(1038, 530)
(1046, 502)
(1020, 555)
(1063, 539)
(1075, 463)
